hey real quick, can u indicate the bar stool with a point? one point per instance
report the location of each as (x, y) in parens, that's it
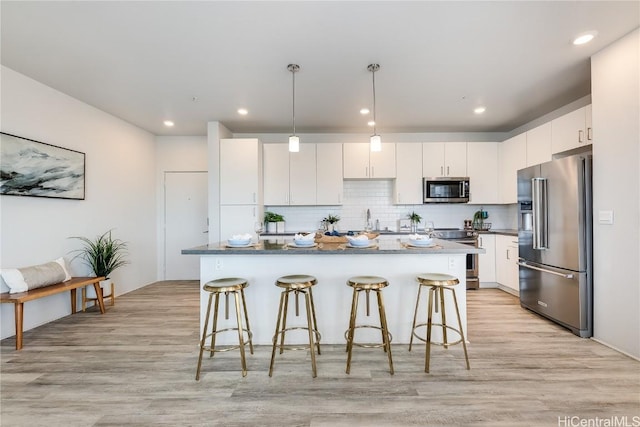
(226, 286)
(437, 284)
(296, 284)
(368, 284)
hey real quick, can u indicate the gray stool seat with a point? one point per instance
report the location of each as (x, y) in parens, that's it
(437, 284)
(368, 284)
(226, 286)
(296, 284)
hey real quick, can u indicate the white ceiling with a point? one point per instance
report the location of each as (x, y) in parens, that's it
(147, 61)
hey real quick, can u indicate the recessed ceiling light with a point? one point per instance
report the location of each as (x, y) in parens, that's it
(479, 110)
(371, 123)
(364, 111)
(584, 37)
(243, 111)
(168, 123)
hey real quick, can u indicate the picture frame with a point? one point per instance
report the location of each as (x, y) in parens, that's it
(37, 169)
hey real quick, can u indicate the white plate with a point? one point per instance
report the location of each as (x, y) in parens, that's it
(370, 245)
(430, 245)
(229, 245)
(293, 245)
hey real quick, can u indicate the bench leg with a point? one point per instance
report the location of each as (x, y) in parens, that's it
(18, 311)
(96, 286)
(73, 301)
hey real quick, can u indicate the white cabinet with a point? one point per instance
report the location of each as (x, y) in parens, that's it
(539, 145)
(240, 171)
(408, 184)
(487, 261)
(444, 159)
(572, 130)
(289, 178)
(360, 162)
(329, 184)
(507, 262)
(482, 169)
(238, 219)
(512, 156)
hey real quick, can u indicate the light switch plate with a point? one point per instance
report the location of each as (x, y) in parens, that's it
(605, 217)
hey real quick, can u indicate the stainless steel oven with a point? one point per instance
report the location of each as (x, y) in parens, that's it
(465, 237)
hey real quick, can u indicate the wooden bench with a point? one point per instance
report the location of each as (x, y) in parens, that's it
(18, 299)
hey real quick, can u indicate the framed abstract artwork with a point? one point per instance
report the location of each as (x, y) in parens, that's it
(33, 168)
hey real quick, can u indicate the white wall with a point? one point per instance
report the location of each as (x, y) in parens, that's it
(120, 184)
(175, 154)
(615, 75)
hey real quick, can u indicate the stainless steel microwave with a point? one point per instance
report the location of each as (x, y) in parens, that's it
(445, 189)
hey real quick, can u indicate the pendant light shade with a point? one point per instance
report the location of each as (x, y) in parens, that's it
(294, 140)
(375, 140)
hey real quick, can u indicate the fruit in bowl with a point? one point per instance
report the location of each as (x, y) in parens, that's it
(239, 240)
(361, 240)
(420, 240)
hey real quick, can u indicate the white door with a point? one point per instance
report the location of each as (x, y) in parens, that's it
(185, 214)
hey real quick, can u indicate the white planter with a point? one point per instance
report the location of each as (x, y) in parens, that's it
(105, 286)
(271, 227)
(280, 227)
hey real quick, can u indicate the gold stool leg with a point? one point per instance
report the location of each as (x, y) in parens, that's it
(429, 321)
(284, 319)
(385, 329)
(445, 342)
(243, 361)
(312, 346)
(313, 315)
(352, 328)
(204, 337)
(246, 318)
(215, 324)
(277, 333)
(464, 344)
(415, 314)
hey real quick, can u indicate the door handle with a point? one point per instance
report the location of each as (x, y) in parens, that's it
(544, 270)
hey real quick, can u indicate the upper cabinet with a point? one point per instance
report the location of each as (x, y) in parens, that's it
(539, 145)
(289, 178)
(512, 156)
(444, 159)
(360, 162)
(329, 172)
(408, 184)
(240, 171)
(572, 130)
(482, 169)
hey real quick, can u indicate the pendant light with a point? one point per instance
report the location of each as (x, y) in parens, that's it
(294, 140)
(375, 140)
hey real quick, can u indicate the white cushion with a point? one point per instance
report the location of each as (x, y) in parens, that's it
(37, 276)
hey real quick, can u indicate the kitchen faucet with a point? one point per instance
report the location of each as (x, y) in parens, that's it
(368, 225)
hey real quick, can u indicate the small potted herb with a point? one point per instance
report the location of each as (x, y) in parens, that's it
(415, 220)
(330, 222)
(274, 222)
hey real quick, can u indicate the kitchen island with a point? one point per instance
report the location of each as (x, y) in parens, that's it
(332, 264)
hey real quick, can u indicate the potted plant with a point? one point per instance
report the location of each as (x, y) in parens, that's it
(330, 221)
(274, 222)
(415, 220)
(103, 255)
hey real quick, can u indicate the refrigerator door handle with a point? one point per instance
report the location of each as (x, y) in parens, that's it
(524, 264)
(539, 209)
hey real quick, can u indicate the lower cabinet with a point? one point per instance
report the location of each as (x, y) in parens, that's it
(487, 261)
(507, 262)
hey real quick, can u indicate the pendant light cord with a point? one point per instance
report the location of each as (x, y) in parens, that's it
(373, 72)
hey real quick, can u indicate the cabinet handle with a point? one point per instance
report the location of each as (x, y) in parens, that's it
(366, 171)
(480, 241)
(447, 170)
(580, 136)
(589, 134)
(372, 172)
(441, 170)
(254, 199)
(508, 254)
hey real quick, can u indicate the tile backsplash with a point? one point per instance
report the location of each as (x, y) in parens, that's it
(376, 195)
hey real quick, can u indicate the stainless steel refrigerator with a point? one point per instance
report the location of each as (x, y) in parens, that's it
(555, 241)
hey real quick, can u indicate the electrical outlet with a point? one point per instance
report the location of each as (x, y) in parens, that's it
(218, 263)
(452, 263)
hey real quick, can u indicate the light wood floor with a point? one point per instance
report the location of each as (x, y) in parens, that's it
(135, 365)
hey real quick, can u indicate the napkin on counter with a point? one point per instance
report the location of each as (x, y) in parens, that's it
(358, 237)
(419, 237)
(304, 236)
